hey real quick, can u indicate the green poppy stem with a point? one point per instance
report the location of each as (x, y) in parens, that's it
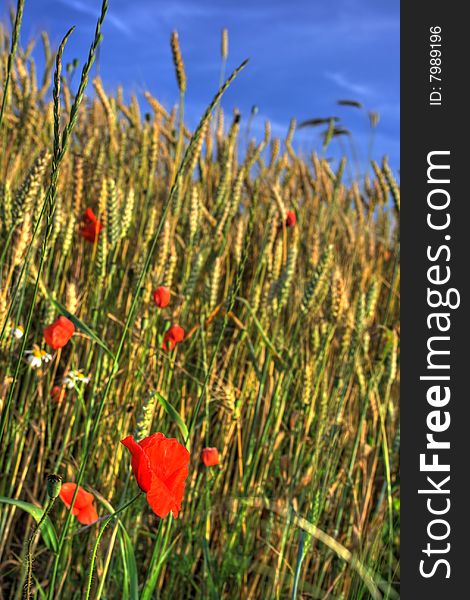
(29, 552)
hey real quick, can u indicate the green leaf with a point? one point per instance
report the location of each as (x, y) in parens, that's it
(173, 413)
(209, 568)
(82, 326)
(148, 591)
(130, 565)
(47, 528)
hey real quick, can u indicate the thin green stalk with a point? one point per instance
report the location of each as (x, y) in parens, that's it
(180, 142)
(98, 539)
(14, 46)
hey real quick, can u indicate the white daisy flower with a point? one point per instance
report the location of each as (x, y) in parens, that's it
(46, 357)
(34, 357)
(69, 382)
(74, 377)
(17, 332)
(81, 377)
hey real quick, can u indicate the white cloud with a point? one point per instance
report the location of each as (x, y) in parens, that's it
(85, 9)
(355, 88)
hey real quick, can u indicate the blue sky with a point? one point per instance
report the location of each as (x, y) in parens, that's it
(304, 56)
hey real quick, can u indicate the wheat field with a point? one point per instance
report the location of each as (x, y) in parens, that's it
(283, 273)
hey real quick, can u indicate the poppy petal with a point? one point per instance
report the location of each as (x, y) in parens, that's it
(89, 216)
(140, 463)
(66, 324)
(59, 333)
(82, 500)
(87, 515)
(168, 456)
(176, 484)
(160, 499)
(177, 333)
(168, 343)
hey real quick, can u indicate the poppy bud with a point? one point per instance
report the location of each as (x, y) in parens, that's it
(58, 393)
(291, 218)
(161, 296)
(210, 457)
(54, 483)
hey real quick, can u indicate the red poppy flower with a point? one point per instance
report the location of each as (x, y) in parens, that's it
(291, 218)
(58, 393)
(172, 336)
(83, 508)
(161, 296)
(210, 457)
(59, 333)
(90, 227)
(160, 465)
